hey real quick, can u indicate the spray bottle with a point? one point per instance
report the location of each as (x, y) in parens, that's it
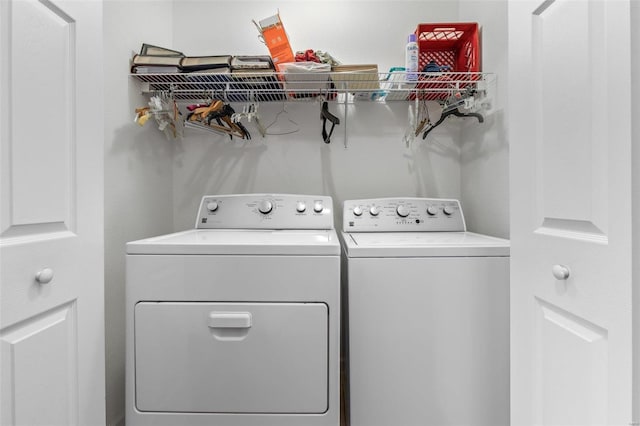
(411, 58)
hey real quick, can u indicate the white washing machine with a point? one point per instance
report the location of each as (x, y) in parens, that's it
(428, 316)
(237, 322)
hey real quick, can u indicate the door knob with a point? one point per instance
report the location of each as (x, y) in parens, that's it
(560, 272)
(44, 276)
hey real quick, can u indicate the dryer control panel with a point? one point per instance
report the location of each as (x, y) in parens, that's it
(265, 211)
(403, 215)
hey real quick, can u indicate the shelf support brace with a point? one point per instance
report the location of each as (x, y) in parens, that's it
(345, 125)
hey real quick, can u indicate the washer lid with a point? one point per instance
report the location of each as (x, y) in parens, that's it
(423, 244)
(241, 242)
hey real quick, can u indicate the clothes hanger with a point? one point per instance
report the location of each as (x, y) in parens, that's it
(410, 133)
(215, 128)
(422, 116)
(279, 120)
(250, 112)
(163, 108)
(451, 107)
(223, 116)
(455, 112)
(325, 116)
(202, 115)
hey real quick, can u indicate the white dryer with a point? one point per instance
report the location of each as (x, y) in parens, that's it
(428, 316)
(237, 322)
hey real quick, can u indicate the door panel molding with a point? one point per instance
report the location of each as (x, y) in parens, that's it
(544, 6)
(572, 229)
(33, 378)
(572, 360)
(41, 107)
(20, 234)
(570, 122)
(579, 326)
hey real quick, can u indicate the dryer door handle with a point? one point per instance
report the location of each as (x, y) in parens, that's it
(230, 320)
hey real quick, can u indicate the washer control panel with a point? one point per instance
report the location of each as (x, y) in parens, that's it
(265, 211)
(403, 214)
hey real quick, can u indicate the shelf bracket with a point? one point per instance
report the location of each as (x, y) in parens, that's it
(345, 125)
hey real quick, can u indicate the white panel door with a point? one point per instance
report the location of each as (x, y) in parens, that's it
(51, 251)
(570, 125)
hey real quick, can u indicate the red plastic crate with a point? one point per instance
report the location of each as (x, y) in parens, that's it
(453, 45)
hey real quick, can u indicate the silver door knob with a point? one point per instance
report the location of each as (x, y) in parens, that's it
(560, 272)
(44, 276)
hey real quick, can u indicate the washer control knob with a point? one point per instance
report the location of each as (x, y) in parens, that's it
(432, 211)
(265, 206)
(357, 210)
(212, 206)
(402, 211)
(374, 211)
(448, 210)
(318, 207)
(301, 207)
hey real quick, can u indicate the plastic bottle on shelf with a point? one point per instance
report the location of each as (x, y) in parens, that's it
(411, 58)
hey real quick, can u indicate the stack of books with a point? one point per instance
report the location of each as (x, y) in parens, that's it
(254, 78)
(160, 60)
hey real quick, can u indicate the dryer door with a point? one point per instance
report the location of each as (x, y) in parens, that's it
(231, 357)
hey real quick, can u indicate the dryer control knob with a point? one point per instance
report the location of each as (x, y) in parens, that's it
(318, 207)
(212, 206)
(357, 211)
(432, 211)
(374, 211)
(402, 211)
(448, 210)
(301, 207)
(265, 206)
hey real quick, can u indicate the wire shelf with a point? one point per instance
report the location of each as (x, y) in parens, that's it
(339, 86)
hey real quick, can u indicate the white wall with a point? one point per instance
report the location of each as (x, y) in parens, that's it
(375, 163)
(138, 173)
(635, 149)
(485, 148)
